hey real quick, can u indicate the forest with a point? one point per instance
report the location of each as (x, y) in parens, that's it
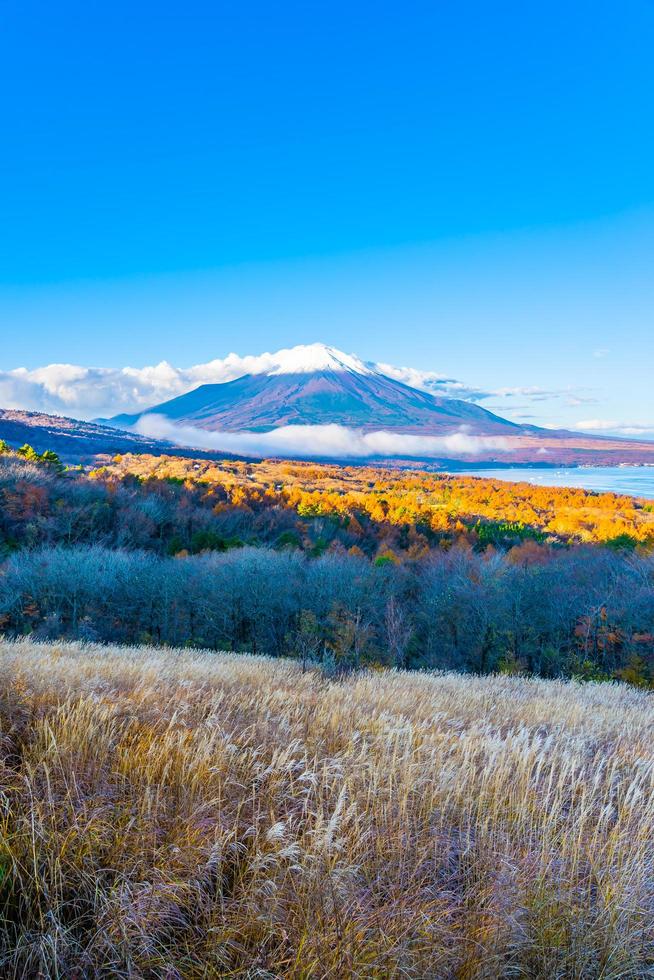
(337, 568)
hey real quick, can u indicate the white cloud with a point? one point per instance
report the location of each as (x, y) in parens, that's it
(525, 392)
(532, 393)
(432, 381)
(70, 389)
(615, 427)
(320, 440)
(595, 425)
(601, 352)
(575, 400)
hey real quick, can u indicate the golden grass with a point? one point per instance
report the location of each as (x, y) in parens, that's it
(177, 814)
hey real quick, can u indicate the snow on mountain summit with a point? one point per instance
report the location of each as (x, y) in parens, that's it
(309, 358)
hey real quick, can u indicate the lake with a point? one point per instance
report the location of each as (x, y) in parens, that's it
(635, 480)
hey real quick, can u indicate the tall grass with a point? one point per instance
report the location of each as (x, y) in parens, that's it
(174, 814)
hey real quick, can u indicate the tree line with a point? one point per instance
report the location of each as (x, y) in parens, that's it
(583, 612)
(156, 561)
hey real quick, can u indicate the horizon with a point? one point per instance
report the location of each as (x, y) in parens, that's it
(464, 192)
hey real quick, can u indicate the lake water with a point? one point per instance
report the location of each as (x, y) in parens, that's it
(635, 480)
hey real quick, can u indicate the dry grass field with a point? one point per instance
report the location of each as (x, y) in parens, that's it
(179, 814)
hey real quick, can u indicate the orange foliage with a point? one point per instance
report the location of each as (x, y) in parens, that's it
(438, 503)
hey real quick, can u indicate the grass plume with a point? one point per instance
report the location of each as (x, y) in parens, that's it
(172, 814)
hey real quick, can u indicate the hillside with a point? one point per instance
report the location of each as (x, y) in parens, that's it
(76, 441)
(72, 439)
(178, 814)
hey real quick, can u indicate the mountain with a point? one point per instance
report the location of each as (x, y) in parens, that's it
(76, 441)
(362, 413)
(319, 385)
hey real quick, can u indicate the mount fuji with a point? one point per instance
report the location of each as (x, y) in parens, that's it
(314, 401)
(314, 384)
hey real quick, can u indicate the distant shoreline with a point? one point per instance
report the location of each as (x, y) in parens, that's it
(635, 480)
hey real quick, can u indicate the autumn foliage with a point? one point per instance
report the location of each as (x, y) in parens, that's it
(396, 501)
(345, 567)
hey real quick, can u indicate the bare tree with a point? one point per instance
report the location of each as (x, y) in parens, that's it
(398, 632)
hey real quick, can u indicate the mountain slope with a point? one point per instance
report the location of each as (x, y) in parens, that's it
(76, 441)
(317, 385)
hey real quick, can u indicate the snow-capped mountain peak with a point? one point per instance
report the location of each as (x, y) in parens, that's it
(309, 358)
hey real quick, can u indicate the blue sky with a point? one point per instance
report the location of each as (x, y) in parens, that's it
(461, 187)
